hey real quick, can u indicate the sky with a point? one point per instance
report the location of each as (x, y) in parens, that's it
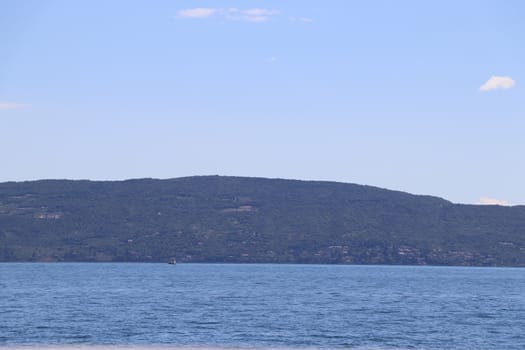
(426, 97)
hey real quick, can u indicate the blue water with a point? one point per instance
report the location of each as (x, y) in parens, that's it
(266, 306)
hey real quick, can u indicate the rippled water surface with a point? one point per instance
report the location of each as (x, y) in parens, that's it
(266, 306)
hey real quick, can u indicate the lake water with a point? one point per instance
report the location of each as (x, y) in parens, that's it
(262, 306)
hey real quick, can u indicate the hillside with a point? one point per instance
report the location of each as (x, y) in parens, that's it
(232, 219)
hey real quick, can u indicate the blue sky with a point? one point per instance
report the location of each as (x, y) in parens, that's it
(420, 96)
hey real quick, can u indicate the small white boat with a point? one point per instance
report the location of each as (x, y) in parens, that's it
(172, 261)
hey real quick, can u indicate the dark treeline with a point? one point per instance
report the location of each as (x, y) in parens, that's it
(233, 219)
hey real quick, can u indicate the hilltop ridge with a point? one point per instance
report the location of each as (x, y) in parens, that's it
(239, 219)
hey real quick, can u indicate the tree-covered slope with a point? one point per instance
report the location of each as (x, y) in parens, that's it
(233, 219)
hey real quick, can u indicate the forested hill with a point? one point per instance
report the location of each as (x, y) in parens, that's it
(233, 219)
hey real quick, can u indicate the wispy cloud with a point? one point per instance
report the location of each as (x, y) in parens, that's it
(493, 201)
(498, 83)
(255, 15)
(10, 105)
(198, 12)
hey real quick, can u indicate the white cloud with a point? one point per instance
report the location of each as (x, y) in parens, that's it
(10, 105)
(198, 12)
(497, 83)
(257, 12)
(492, 201)
(256, 15)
